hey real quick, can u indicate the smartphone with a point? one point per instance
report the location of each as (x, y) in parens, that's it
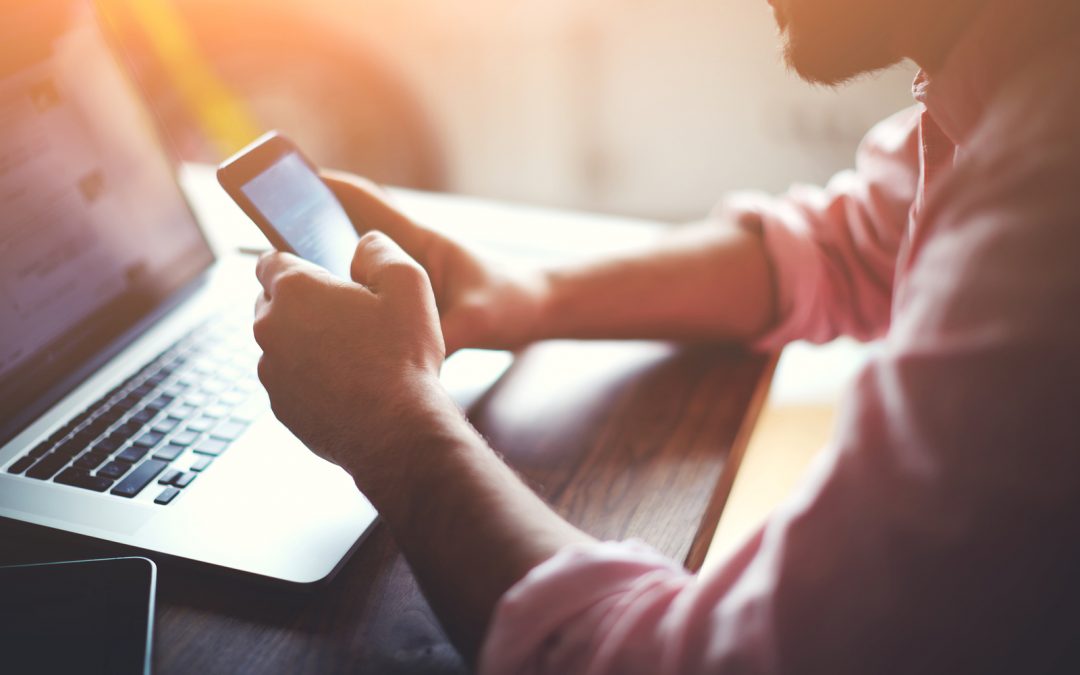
(87, 617)
(279, 188)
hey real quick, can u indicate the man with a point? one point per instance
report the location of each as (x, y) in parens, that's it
(939, 531)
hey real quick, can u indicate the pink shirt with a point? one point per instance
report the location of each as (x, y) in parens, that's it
(940, 530)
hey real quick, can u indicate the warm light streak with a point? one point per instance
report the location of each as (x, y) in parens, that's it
(224, 118)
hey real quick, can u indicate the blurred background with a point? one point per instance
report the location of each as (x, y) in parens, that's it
(647, 108)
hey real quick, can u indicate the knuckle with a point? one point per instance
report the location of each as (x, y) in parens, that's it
(370, 237)
(405, 272)
(260, 328)
(262, 263)
(263, 369)
(289, 282)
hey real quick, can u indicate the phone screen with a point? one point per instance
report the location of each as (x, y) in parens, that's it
(305, 212)
(86, 617)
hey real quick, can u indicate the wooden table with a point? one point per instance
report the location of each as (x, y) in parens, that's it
(623, 439)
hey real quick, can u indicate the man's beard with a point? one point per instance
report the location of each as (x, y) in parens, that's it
(832, 41)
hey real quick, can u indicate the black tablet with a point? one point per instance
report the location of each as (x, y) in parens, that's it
(87, 617)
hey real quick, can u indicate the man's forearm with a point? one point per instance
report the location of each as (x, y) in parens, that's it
(704, 282)
(465, 522)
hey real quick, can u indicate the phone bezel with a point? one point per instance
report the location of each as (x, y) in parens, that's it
(248, 163)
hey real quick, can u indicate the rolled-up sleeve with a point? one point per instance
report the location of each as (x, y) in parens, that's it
(833, 250)
(936, 534)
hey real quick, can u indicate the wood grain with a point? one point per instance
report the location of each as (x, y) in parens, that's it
(623, 439)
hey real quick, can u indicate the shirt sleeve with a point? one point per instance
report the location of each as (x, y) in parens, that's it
(938, 531)
(833, 250)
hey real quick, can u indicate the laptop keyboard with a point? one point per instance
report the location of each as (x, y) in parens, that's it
(162, 427)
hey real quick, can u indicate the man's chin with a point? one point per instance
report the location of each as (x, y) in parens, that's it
(831, 64)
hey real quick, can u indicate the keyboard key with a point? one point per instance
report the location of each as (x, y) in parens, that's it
(251, 411)
(139, 478)
(108, 445)
(166, 425)
(217, 411)
(98, 426)
(215, 386)
(184, 438)
(233, 398)
(230, 430)
(91, 460)
(160, 403)
(144, 416)
(48, 465)
(127, 430)
(23, 464)
(166, 496)
(114, 469)
(249, 383)
(202, 424)
(82, 479)
(149, 439)
(169, 476)
(184, 480)
(60, 433)
(197, 399)
(112, 415)
(132, 454)
(41, 449)
(169, 452)
(211, 446)
(184, 411)
(71, 447)
(202, 463)
(84, 436)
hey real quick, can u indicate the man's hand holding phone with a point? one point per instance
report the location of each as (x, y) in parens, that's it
(320, 217)
(352, 367)
(352, 352)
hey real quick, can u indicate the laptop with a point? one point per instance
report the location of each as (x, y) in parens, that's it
(129, 407)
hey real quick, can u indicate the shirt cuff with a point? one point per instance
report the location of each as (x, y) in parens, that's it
(794, 268)
(541, 616)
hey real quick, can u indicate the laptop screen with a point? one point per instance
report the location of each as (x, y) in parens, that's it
(94, 231)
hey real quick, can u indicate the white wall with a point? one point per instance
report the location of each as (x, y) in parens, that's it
(645, 107)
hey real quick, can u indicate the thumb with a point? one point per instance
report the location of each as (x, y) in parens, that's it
(369, 207)
(385, 268)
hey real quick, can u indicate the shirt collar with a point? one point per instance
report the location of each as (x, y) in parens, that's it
(1002, 37)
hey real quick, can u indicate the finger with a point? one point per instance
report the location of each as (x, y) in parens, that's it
(384, 267)
(268, 267)
(274, 264)
(260, 326)
(265, 372)
(369, 207)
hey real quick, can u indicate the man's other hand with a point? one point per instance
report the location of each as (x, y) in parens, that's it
(481, 303)
(351, 368)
